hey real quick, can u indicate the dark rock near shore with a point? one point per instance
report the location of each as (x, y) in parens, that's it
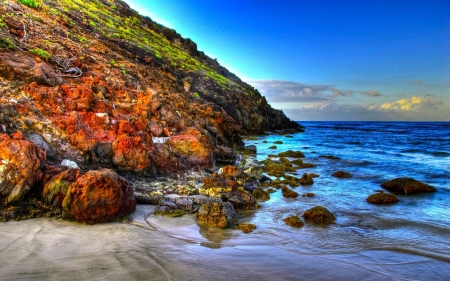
(288, 192)
(341, 174)
(220, 215)
(407, 185)
(319, 215)
(382, 198)
(306, 179)
(294, 221)
(290, 153)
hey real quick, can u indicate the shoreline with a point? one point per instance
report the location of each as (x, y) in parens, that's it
(47, 249)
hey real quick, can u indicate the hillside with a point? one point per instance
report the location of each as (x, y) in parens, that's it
(97, 83)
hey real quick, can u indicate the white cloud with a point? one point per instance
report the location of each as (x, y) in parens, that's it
(416, 108)
(288, 91)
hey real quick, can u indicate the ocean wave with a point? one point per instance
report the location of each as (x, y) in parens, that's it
(432, 153)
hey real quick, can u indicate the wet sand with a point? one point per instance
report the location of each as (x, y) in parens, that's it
(47, 249)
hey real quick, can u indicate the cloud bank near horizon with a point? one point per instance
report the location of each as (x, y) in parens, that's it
(326, 102)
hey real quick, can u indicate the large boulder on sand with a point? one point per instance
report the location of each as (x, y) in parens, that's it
(220, 214)
(407, 185)
(98, 196)
(20, 162)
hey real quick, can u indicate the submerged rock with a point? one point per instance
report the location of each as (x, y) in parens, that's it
(319, 215)
(219, 215)
(341, 174)
(294, 221)
(407, 185)
(290, 153)
(288, 192)
(246, 227)
(382, 198)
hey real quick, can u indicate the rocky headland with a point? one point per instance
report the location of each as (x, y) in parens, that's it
(97, 102)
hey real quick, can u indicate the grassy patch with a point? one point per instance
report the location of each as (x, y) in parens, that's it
(31, 3)
(41, 53)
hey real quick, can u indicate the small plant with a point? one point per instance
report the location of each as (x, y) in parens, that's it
(113, 63)
(83, 39)
(197, 95)
(124, 71)
(31, 3)
(41, 53)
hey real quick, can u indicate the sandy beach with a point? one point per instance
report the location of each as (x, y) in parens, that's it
(47, 249)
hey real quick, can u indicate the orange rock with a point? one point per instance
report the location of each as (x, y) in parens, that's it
(20, 162)
(55, 190)
(98, 196)
(190, 148)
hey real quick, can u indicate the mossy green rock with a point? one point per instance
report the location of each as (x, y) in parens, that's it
(382, 198)
(319, 215)
(288, 192)
(407, 185)
(293, 154)
(294, 221)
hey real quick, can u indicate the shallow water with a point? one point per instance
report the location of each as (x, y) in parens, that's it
(418, 225)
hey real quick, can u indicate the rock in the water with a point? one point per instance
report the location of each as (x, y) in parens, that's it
(169, 212)
(290, 153)
(99, 196)
(246, 227)
(319, 215)
(219, 215)
(407, 185)
(306, 180)
(382, 198)
(20, 162)
(294, 221)
(260, 194)
(288, 192)
(341, 174)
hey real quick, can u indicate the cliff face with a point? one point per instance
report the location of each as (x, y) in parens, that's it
(95, 82)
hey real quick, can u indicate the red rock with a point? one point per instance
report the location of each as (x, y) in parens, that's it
(55, 190)
(191, 150)
(20, 162)
(99, 196)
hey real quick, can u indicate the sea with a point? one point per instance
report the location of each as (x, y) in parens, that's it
(381, 238)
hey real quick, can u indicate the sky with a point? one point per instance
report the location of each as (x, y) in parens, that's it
(319, 60)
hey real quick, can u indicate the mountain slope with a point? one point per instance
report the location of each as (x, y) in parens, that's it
(95, 82)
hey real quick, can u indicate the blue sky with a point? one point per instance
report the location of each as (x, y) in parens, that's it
(327, 60)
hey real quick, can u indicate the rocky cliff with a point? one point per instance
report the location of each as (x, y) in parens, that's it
(97, 83)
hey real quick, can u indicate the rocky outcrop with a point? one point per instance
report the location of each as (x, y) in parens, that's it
(98, 196)
(20, 163)
(407, 185)
(56, 189)
(219, 215)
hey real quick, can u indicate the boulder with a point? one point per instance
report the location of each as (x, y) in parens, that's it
(219, 215)
(319, 215)
(292, 154)
(288, 192)
(20, 162)
(382, 198)
(56, 189)
(306, 180)
(98, 196)
(294, 221)
(260, 194)
(407, 185)
(341, 174)
(191, 150)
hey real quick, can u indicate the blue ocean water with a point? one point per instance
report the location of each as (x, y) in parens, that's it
(373, 152)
